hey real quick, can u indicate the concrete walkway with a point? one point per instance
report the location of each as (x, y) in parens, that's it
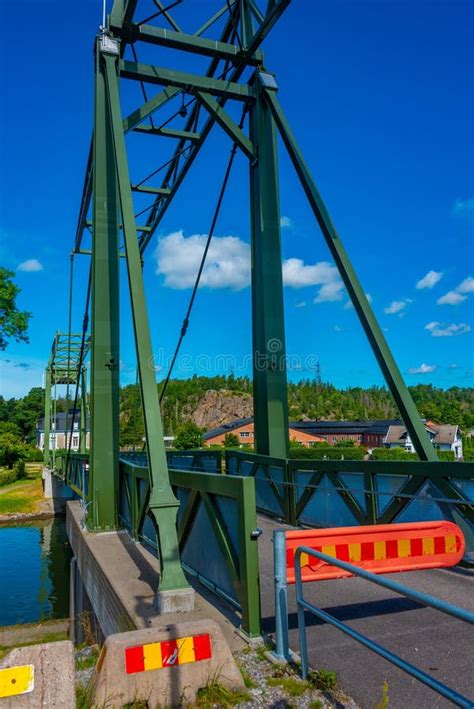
(436, 643)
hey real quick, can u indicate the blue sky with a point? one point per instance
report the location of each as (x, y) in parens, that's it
(380, 96)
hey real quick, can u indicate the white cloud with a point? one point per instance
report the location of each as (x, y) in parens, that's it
(396, 306)
(453, 366)
(338, 328)
(301, 304)
(297, 274)
(430, 280)
(286, 223)
(466, 286)
(330, 292)
(451, 298)
(441, 330)
(464, 207)
(228, 266)
(422, 369)
(30, 265)
(349, 306)
(227, 263)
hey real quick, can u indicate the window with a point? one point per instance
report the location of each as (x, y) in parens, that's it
(75, 441)
(245, 434)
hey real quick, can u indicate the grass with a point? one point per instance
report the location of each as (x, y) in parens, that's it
(293, 686)
(214, 693)
(46, 638)
(248, 681)
(22, 496)
(83, 697)
(324, 680)
(85, 663)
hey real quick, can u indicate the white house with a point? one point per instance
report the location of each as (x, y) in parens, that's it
(61, 432)
(444, 437)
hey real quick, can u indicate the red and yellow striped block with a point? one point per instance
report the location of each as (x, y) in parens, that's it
(378, 548)
(167, 653)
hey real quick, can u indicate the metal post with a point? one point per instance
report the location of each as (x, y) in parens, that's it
(104, 434)
(47, 417)
(268, 326)
(357, 295)
(163, 504)
(281, 595)
(301, 618)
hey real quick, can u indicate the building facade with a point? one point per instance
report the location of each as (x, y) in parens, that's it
(61, 433)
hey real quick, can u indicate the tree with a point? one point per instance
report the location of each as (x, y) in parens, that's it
(231, 441)
(189, 436)
(11, 449)
(13, 322)
(28, 412)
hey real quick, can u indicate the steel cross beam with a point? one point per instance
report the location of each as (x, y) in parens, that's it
(121, 15)
(377, 341)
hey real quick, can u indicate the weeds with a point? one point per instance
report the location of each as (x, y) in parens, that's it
(324, 680)
(383, 704)
(83, 697)
(215, 693)
(293, 686)
(248, 681)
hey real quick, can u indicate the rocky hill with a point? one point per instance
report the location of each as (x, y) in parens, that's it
(217, 407)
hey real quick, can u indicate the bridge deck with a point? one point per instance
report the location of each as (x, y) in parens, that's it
(438, 644)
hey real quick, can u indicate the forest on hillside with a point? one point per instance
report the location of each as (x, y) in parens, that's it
(308, 399)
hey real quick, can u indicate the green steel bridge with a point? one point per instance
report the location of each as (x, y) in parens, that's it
(174, 501)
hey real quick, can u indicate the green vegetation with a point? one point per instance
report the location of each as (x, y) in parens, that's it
(392, 454)
(215, 693)
(46, 638)
(21, 497)
(293, 686)
(231, 441)
(85, 663)
(323, 452)
(13, 322)
(248, 681)
(189, 436)
(307, 399)
(324, 680)
(383, 704)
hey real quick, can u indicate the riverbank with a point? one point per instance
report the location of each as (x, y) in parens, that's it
(23, 500)
(32, 633)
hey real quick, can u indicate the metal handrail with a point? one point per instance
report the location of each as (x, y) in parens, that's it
(438, 604)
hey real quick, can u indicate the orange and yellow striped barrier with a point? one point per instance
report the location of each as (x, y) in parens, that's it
(380, 549)
(167, 653)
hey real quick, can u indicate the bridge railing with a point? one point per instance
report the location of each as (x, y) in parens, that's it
(216, 530)
(343, 492)
(203, 461)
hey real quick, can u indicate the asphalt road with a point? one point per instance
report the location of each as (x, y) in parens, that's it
(436, 643)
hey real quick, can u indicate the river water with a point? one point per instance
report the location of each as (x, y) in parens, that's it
(34, 572)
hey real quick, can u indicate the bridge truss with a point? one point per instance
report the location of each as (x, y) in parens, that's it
(112, 202)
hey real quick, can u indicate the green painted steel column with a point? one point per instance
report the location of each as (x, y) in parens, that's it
(83, 422)
(163, 504)
(47, 417)
(104, 399)
(372, 329)
(268, 326)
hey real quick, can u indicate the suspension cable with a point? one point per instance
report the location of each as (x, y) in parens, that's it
(185, 324)
(85, 325)
(71, 277)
